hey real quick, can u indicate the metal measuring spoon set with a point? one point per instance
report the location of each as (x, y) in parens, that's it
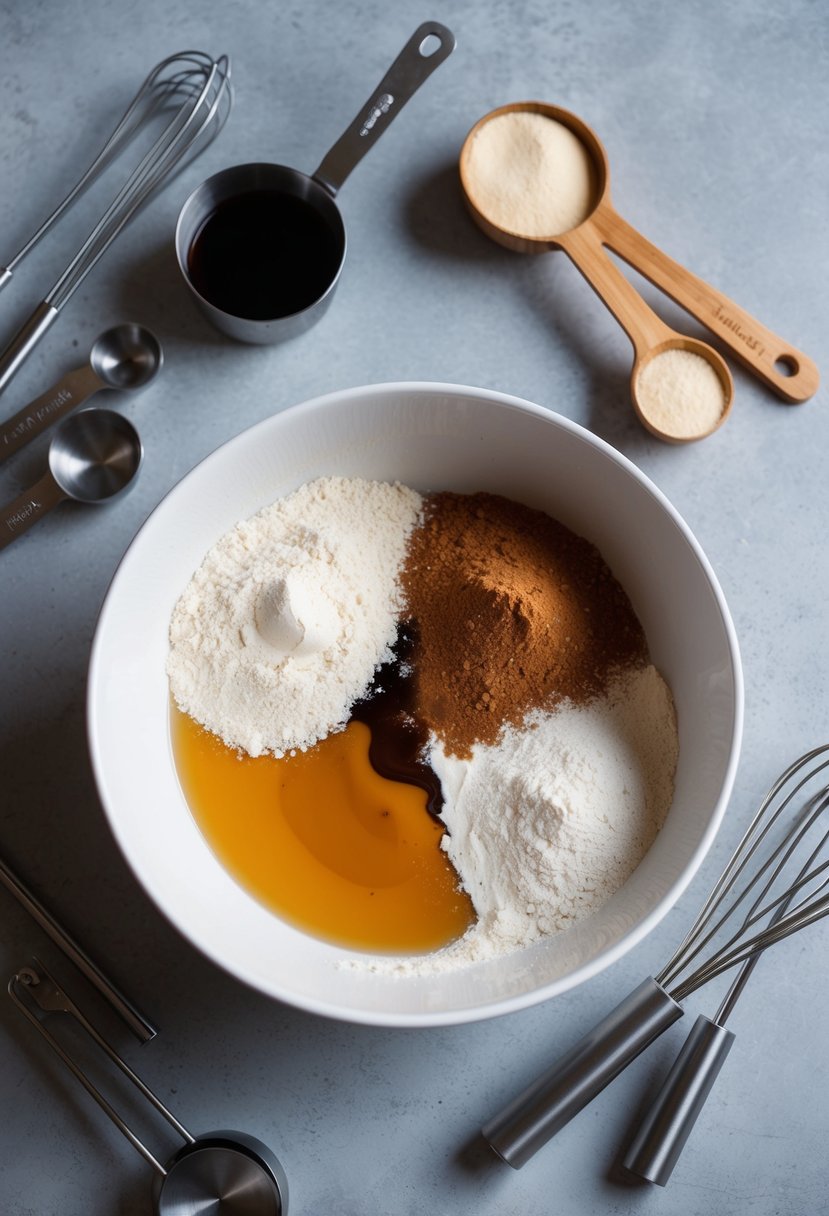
(95, 454)
(228, 1171)
(231, 1170)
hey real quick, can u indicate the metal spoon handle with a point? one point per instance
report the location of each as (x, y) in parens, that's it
(44, 992)
(71, 391)
(25, 340)
(138, 1024)
(411, 68)
(30, 506)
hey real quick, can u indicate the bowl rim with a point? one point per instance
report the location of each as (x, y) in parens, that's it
(610, 953)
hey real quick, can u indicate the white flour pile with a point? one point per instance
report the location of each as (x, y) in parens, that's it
(282, 626)
(548, 823)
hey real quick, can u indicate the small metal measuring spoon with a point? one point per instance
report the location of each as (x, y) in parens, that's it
(126, 357)
(225, 1171)
(224, 226)
(787, 371)
(94, 456)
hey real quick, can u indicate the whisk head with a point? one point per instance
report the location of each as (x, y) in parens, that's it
(189, 77)
(175, 80)
(194, 77)
(189, 96)
(776, 882)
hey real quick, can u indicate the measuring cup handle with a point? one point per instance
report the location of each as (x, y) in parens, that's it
(786, 370)
(411, 68)
(25, 340)
(29, 422)
(30, 506)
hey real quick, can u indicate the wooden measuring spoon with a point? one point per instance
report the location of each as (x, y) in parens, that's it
(787, 371)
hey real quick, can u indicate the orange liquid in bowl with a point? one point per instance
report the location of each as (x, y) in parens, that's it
(324, 841)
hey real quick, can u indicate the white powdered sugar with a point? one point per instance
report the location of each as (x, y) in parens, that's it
(529, 174)
(548, 823)
(681, 394)
(281, 628)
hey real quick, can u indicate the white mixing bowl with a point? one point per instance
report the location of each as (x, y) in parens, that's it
(431, 437)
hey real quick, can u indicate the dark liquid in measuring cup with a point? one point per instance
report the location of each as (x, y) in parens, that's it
(263, 254)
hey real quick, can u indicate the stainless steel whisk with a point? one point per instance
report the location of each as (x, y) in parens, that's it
(774, 879)
(664, 1129)
(174, 76)
(192, 92)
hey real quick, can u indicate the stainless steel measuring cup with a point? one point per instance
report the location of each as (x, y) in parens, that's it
(93, 457)
(223, 1171)
(261, 246)
(126, 357)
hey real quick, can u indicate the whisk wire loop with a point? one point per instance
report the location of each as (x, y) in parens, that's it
(205, 86)
(752, 881)
(775, 908)
(158, 89)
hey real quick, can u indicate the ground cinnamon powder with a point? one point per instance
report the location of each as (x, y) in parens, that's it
(512, 611)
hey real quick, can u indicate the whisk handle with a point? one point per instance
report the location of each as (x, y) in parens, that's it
(24, 341)
(534, 1116)
(655, 1149)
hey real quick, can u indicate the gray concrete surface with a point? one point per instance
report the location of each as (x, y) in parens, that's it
(714, 119)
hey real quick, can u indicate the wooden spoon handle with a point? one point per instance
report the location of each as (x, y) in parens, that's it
(786, 370)
(584, 245)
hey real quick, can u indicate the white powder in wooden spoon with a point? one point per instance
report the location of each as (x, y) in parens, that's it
(680, 394)
(529, 174)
